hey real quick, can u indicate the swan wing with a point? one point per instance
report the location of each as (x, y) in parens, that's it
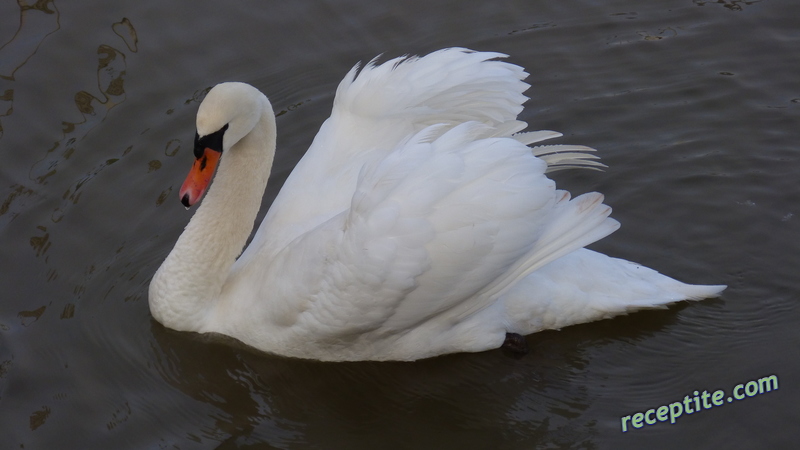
(435, 231)
(380, 107)
(418, 204)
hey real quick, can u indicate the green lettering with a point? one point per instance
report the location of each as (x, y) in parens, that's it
(625, 425)
(736, 393)
(686, 401)
(647, 417)
(637, 420)
(705, 396)
(675, 411)
(716, 397)
(662, 413)
(771, 383)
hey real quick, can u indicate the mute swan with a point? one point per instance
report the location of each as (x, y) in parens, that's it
(418, 223)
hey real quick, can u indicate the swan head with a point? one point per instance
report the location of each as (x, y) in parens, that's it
(227, 114)
(235, 105)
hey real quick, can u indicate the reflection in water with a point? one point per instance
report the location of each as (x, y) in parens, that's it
(58, 175)
(41, 243)
(28, 317)
(36, 22)
(39, 417)
(119, 416)
(454, 401)
(733, 5)
(69, 311)
(125, 30)
(6, 105)
(110, 81)
(16, 191)
(218, 379)
(110, 73)
(466, 400)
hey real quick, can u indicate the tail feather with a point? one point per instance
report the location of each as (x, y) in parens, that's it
(700, 291)
(585, 286)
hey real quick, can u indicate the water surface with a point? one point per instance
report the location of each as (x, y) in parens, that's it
(693, 105)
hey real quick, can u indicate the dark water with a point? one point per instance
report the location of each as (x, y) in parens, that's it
(694, 105)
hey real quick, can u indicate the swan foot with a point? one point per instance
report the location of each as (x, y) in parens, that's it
(516, 345)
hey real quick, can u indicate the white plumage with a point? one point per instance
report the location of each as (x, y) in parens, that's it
(418, 223)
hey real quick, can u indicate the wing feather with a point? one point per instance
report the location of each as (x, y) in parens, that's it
(377, 109)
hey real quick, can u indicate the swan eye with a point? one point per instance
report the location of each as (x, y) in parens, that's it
(212, 141)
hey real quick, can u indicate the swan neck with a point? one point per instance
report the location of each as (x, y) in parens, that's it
(186, 287)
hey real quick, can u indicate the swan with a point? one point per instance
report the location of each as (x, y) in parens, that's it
(420, 222)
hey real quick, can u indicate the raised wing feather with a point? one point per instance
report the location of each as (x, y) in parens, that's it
(379, 108)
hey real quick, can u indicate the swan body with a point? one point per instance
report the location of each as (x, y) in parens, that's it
(419, 223)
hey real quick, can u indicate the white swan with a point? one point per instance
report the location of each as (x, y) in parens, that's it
(418, 223)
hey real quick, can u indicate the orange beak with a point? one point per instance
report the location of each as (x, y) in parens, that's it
(199, 177)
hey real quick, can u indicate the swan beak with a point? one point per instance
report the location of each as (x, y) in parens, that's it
(199, 177)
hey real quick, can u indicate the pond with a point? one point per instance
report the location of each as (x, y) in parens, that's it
(693, 105)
